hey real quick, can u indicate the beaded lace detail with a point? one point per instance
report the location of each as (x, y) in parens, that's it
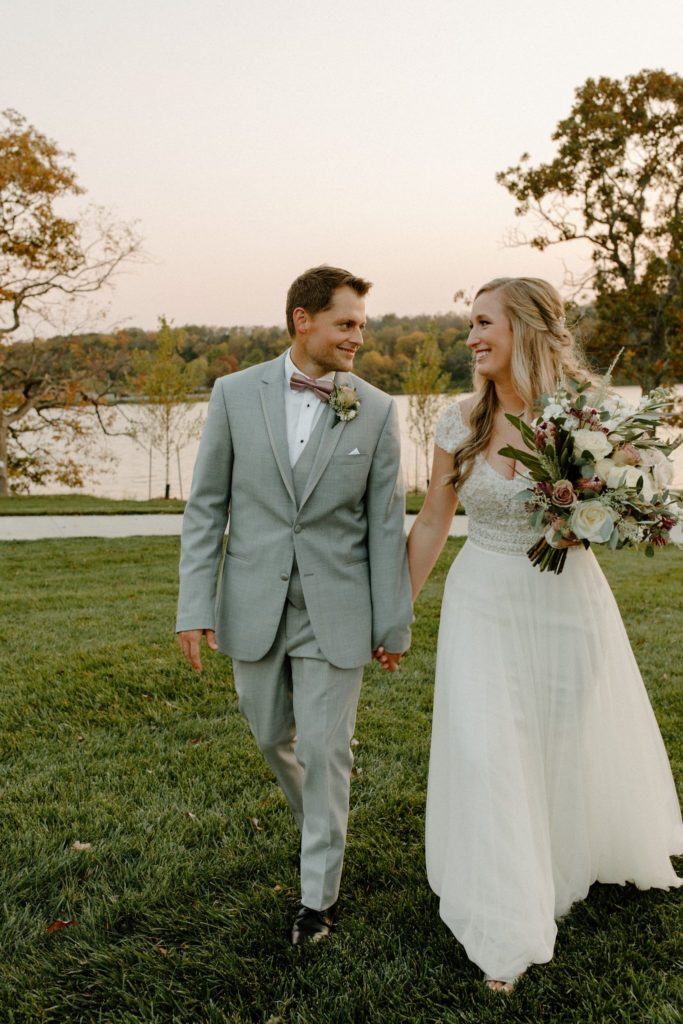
(496, 520)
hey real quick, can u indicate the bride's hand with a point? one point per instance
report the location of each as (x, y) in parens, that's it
(387, 659)
(569, 540)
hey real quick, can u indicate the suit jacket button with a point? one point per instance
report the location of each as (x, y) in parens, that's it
(297, 528)
(284, 576)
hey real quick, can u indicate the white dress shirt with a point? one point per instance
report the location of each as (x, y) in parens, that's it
(302, 411)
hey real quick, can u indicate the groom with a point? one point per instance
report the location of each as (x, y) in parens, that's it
(304, 458)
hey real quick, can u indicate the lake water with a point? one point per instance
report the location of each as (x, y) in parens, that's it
(126, 469)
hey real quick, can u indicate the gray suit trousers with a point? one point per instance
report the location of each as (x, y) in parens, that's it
(302, 712)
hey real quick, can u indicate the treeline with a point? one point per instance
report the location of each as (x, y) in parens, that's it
(391, 343)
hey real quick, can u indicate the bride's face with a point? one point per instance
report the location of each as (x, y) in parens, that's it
(490, 338)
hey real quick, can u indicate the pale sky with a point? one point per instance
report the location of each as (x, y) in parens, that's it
(253, 139)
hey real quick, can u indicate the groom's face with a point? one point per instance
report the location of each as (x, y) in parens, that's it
(329, 340)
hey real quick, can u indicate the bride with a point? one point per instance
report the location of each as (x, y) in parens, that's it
(547, 769)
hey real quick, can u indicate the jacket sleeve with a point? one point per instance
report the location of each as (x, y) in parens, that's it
(205, 519)
(392, 612)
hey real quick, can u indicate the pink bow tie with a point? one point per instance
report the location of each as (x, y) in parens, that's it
(320, 386)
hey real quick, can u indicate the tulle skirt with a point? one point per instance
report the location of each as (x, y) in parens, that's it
(547, 769)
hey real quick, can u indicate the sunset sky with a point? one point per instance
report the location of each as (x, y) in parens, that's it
(252, 140)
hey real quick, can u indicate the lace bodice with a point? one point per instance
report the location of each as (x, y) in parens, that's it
(497, 521)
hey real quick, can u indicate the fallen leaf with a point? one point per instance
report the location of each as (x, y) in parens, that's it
(255, 825)
(191, 815)
(78, 845)
(354, 742)
(161, 950)
(195, 743)
(277, 888)
(56, 926)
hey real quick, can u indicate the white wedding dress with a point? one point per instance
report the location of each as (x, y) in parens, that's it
(547, 769)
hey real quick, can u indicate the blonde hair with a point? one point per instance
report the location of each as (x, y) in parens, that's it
(543, 350)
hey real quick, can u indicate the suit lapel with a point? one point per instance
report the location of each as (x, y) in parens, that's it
(272, 395)
(332, 432)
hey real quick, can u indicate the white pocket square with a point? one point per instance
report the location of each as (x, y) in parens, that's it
(354, 452)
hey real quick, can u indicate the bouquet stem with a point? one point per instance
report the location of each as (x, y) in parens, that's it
(547, 558)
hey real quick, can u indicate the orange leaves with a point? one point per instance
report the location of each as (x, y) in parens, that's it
(58, 925)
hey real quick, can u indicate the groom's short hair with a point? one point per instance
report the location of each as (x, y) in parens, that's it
(313, 290)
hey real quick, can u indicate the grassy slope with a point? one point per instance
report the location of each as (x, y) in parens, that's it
(183, 903)
(81, 505)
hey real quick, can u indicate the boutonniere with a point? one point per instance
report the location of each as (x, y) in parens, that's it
(345, 402)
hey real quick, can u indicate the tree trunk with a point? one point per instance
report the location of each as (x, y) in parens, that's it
(167, 454)
(4, 469)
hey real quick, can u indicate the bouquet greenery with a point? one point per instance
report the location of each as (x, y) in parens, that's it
(597, 471)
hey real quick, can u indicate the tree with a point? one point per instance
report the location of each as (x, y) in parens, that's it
(49, 391)
(167, 421)
(617, 183)
(425, 383)
(48, 262)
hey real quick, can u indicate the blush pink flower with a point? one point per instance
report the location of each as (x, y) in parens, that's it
(563, 493)
(627, 455)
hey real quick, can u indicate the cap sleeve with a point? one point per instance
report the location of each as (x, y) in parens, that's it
(450, 428)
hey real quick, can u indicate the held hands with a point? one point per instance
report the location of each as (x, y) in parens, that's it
(190, 642)
(387, 660)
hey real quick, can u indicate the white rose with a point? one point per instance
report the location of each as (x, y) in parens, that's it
(648, 488)
(592, 441)
(592, 521)
(628, 476)
(662, 467)
(618, 409)
(554, 411)
(603, 468)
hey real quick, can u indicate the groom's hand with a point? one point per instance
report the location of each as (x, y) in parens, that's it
(190, 641)
(386, 659)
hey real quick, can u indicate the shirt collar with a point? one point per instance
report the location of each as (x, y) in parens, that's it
(290, 368)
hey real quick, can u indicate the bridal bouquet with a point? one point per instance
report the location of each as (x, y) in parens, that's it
(597, 470)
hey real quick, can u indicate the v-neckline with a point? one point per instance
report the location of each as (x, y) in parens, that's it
(507, 479)
(480, 455)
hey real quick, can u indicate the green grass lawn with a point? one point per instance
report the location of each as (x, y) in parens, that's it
(86, 504)
(184, 899)
(81, 505)
(415, 500)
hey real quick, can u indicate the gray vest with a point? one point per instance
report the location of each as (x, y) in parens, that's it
(300, 474)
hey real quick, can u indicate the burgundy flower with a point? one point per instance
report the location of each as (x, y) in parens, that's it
(545, 433)
(593, 483)
(589, 418)
(666, 523)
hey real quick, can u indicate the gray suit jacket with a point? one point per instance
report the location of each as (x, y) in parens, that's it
(347, 534)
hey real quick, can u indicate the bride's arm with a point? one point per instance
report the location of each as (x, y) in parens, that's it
(430, 529)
